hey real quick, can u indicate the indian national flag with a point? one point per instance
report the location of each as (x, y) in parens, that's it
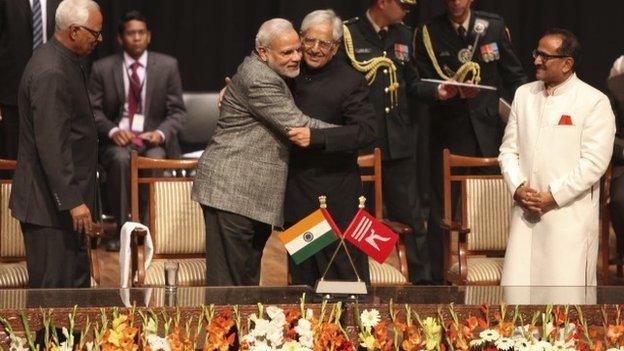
(310, 235)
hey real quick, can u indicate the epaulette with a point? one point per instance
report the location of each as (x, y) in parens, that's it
(488, 15)
(351, 20)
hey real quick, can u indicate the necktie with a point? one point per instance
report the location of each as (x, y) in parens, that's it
(37, 24)
(134, 98)
(462, 32)
(383, 34)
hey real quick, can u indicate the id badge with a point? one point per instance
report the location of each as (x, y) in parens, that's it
(137, 123)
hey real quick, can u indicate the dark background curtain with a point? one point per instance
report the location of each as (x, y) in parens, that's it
(210, 37)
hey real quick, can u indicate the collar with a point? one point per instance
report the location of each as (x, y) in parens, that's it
(65, 51)
(129, 60)
(561, 88)
(305, 70)
(375, 26)
(465, 24)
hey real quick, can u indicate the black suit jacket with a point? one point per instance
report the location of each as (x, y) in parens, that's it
(164, 107)
(337, 94)
(478, 116)
(57, 160)
(16, 43)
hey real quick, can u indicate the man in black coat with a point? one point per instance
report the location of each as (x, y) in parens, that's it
(53, 194)
(18, 38)
(468, 124)
(380, 36)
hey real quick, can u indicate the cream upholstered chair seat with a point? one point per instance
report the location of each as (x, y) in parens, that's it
(12, 274)
(385, 274)
(481, 270)
(191, 272)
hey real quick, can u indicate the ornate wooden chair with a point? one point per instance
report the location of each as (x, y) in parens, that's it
(175, 221)
(475, 238)
(13, 273)
(395, 269)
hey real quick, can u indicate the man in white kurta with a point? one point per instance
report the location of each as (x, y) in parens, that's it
(557, 145)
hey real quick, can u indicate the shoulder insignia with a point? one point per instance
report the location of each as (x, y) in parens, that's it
(488, 15)
(351, 20)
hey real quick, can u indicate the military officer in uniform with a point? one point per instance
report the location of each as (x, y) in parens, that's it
(467, 46)
(379, 45)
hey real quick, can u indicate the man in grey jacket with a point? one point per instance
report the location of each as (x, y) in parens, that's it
(241, 177)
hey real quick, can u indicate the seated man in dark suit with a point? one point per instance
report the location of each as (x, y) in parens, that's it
(137, 100)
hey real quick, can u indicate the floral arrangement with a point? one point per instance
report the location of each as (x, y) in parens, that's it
(301, 329)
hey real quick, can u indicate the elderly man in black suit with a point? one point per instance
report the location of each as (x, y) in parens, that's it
(53, 192)
(24, 26)
(137, 100)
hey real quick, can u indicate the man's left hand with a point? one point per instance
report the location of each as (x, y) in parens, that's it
(543, 200)
(468, 92)
(153, 138)
(300, 136)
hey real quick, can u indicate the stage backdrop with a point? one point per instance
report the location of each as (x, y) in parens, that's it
(211, 37)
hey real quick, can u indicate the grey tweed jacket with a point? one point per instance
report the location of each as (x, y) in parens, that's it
(243, 169)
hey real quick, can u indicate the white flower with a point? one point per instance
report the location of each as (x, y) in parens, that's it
(504, 344)
(275, 337)
(477, 342)
(293, 346)
(303, 327)
(542, 346)
(522, 344)
(261, 327)
(17, 343)
(89, 345)
(64, 347)
(274, 312)
(370, 318)
(614, 349)
(309, 314)
(158, 343)
(306, 340)
(489, 335)
(260, 346)
(562, 345)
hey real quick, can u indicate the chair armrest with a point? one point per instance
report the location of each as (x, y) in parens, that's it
(397, 227)
(137, 249)
(92, 245)
(453, 226)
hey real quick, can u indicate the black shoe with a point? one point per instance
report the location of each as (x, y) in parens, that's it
(111, 245)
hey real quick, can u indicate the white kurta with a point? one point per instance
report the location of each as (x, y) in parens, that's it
(561, 247)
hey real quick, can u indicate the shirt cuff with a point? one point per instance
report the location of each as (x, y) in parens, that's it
(162, 135)
(113, 131)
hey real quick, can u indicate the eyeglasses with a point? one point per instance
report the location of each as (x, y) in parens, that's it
(94, 33)
(545, 57)
(323, 45)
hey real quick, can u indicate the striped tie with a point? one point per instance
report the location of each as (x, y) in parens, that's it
(37, 24)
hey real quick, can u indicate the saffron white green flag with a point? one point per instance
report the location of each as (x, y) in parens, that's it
(310, 235)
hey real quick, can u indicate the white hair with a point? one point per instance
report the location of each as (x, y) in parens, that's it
(271, 29)
(73, 12)
(323, 17)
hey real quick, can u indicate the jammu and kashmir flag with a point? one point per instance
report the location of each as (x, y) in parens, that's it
(310, 235)
(371, 236)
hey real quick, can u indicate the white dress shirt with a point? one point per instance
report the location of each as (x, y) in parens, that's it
(44, 18)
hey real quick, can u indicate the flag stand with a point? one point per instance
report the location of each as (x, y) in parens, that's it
(341, 287)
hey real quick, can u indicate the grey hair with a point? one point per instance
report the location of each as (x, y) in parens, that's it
(271, 29)
(73, 12)
(323, 16)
